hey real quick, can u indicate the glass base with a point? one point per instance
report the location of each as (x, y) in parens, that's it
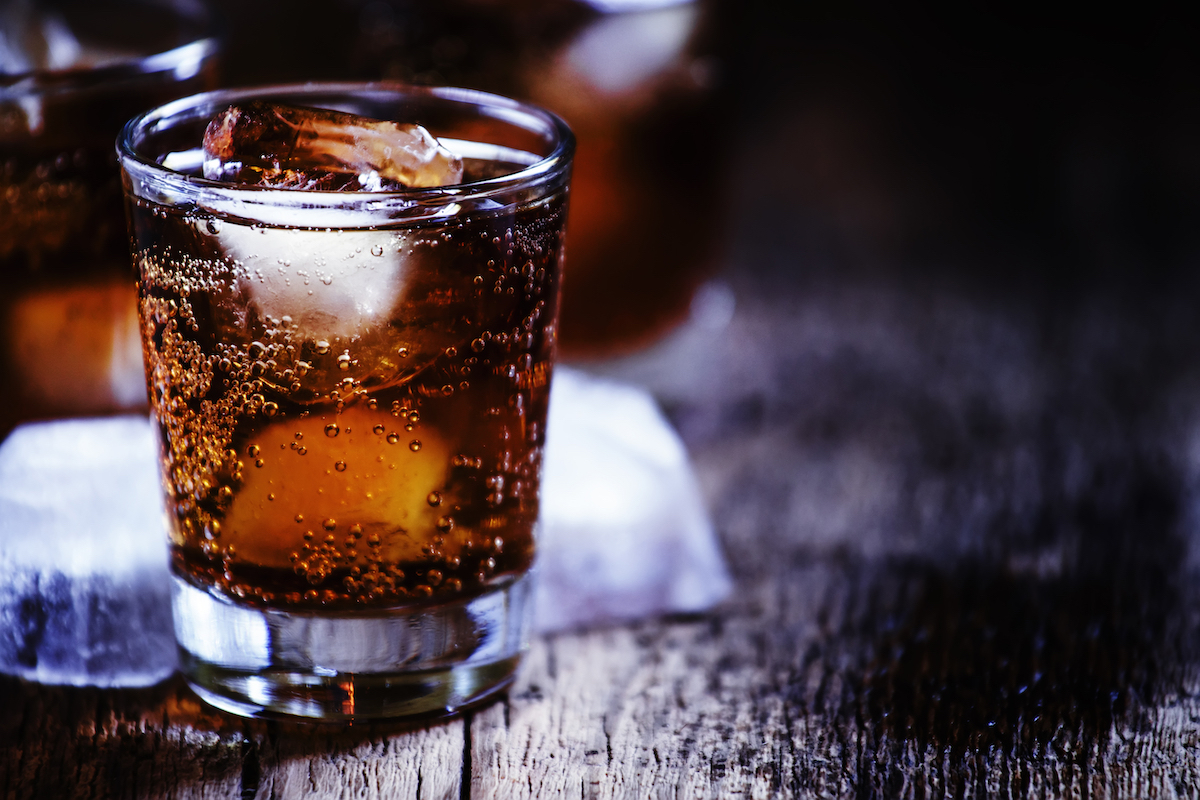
(423, 661)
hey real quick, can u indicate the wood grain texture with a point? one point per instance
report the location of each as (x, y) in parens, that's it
(807, 698)
(162, 742)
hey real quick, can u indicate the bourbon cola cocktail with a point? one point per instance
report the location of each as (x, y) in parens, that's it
(348, 299)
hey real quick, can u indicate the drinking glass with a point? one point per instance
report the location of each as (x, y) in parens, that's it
(71, 74)
(351, 390)
(641, 83)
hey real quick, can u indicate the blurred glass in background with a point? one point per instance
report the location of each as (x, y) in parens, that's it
(639, 81)
(71, 73)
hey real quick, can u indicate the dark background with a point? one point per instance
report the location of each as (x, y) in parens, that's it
(1061, 148)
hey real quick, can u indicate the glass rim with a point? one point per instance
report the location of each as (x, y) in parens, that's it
(205, 45)
(545, 169)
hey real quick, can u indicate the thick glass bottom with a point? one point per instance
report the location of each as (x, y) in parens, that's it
(423, 661)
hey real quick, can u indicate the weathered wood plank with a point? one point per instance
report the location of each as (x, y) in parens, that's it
(819, 681)
(781, 698)
(162, 742)
(424, 762)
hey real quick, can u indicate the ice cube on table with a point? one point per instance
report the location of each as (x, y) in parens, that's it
(625, 531)
(321, 150)
(84, 586)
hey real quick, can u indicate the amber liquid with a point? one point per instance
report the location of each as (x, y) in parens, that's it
(350, 418)
(68, 327)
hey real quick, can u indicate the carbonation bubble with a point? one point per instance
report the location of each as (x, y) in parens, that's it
(434, 498)
(392, 438)
(329, 524)
(378, 430)
(356, 531)
(414, 445)
(270, 408)
(340, 466)
(377, 250)
(299, 518)
(322, 347)
(344, 361)
(213, 226)
(402, 352)
(332, 430)
(478, 344)
(253, 450)
(445, 524)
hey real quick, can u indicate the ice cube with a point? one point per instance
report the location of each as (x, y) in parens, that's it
(333, 285)
(366, 305)
(84, 584)
(625, 532)
(322, 150)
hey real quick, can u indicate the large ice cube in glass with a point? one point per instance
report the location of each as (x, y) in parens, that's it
(369, 306)
(322, 150)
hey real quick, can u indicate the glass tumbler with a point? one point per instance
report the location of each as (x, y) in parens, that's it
(641, 84)
(351, 390)
(71, 74)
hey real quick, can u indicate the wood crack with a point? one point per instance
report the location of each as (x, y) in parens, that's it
(464, 792)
